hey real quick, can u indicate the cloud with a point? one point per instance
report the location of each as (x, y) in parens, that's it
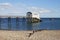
(27, 8)
(4, 6)
(38, 10)
(45, 11)
(19, 9)
(10, 9)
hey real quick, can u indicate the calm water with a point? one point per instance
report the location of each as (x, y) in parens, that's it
(22, 24)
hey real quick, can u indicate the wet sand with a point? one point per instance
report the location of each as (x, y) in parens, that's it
(23, 35)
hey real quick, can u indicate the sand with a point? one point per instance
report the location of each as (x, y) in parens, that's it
(23, 35)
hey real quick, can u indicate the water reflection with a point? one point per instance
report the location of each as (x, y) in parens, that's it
(23, 24)
(0, 23)
(9, 23)
(15, 24)
(29, 25)
(4, 23)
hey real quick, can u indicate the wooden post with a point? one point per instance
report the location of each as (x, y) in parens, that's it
(9, 23)
(0, 23)
(17, 19)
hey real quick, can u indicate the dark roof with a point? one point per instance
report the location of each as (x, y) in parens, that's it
(29, 12)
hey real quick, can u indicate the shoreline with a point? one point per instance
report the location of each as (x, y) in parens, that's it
(23, 35)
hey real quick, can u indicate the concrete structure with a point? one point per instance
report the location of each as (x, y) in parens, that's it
(29, 15)
(33, 17)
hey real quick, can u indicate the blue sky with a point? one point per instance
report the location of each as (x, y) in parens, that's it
(46, 8)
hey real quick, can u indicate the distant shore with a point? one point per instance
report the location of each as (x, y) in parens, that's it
(23, 35)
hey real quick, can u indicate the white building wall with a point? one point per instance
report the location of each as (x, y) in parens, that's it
(35, 15)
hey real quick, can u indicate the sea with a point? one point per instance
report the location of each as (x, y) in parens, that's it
(22, 24)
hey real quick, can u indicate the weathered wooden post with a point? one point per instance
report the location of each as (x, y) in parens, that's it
(17, 21)
(9, 23)
(0, 22)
